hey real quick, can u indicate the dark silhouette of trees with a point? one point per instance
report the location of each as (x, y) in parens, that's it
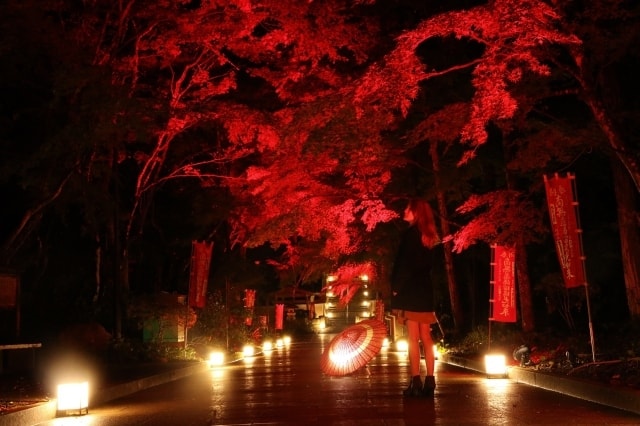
(294, 124)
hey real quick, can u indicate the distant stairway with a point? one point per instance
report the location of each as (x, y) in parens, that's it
(338, 316)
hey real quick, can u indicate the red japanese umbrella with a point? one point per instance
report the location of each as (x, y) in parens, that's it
(353, 347)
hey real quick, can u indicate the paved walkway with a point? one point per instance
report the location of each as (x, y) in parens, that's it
(287, 387)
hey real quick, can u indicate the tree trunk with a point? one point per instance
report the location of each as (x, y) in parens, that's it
(117, 257)
(628, 221)
(626, 175)
(524, 288)
(627, 155)
(456, 308)
(98, 270)
(627, 159)
(527, 316)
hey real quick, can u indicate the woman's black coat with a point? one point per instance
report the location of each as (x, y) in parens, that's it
(411, 274)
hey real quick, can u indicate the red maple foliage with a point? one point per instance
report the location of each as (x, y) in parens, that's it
(304, 105)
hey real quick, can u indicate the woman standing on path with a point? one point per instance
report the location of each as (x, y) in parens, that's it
(412, 289)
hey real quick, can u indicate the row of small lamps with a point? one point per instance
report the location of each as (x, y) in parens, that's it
(73, 397)
(217, 358)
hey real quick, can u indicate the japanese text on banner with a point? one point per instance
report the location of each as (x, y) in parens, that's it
(564, 224)
(504, 291)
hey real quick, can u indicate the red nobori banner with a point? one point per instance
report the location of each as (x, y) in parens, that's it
(199, 277)
(249, 298)
(503, 302)
(249, 302)
(279, 316)
(564, 218)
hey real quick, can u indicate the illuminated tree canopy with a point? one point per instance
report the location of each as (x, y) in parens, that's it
(297, 121)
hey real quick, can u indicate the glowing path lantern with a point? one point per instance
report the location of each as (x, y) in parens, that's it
(73, 398)
(495, 365)
(216, 358)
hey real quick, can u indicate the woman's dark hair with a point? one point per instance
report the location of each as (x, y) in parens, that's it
(423, 218)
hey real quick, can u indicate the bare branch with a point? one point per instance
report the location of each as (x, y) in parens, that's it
(31, 213)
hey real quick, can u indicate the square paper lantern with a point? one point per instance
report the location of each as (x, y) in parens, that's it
(216, 358)
(73, 397)
(495, 365)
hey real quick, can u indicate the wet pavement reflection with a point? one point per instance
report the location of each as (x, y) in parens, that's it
(287, 387)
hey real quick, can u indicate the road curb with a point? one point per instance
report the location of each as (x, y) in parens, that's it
(611, 396)
(128, 388)
(469, 364)
(47, 410)
(30, 416)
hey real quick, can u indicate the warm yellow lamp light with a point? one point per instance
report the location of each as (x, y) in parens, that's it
(385, 343)
(495, 365)
(73, 397)
(248, 351)
(267, 346)
(402, 345)
(322, 324)
(286, 340)
(216, 358)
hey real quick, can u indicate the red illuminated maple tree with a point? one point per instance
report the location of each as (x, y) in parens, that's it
(292, 106)
(262, 75)
(520, 42)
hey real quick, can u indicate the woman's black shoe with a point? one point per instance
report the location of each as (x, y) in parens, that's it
(415, 388)
(429, 386)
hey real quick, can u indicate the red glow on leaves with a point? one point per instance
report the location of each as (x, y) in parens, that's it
(512, 34)
(308, 161)
(375, 212)
(349, 280)
(500, 217)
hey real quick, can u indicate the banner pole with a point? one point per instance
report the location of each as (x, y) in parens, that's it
(187, 300)
(593, 343)
(584, 267)
(186, 319)
(226, 311)
(492, 283)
